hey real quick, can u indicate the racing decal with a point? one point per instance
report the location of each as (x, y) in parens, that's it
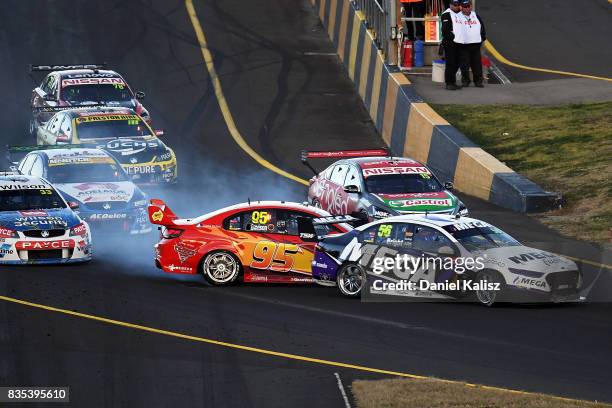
(6, 249)
(99, 192)
(531, 256)
(157, 216)
(275, 256)
(33, 213)
(344, 153)
(61, 161)
(103, 118)
(331, 196)
(173, 268)
(37, 221)
(183, 251)
(460, 226)
(529, 282)
(102, 217)
(336, 219)
(141, 169)
(92, 81)
(7, 233)
(127, 147)
(6, 187)
(396, 170)
(44, 245)
(416, 202)
(94, 75)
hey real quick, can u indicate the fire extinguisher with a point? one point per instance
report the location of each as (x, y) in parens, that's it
(407, 54)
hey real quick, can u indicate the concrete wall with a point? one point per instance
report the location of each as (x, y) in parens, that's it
(412, 128)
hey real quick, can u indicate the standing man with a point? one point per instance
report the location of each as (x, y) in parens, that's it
(451, 48)
(472, 37)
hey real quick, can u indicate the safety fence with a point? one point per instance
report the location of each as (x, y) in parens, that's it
(376, 19)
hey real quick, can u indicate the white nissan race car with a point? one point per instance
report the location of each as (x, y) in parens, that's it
(442, 257)
(37, 226)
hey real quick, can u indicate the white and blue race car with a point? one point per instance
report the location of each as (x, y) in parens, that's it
(37, 226)
(106, 196)
(442, 257)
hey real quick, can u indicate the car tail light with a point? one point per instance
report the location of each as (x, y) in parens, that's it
(7, 233)
(79, 230)
(169, 233)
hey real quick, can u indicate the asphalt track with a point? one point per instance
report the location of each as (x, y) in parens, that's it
(568, 36)
(286, 93)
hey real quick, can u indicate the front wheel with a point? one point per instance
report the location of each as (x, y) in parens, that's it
(220, 268)
(488, 296)
(351, 280)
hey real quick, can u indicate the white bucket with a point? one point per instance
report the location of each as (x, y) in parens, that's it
(437, 71)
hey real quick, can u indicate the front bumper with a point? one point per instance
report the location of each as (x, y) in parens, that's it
(57, 250)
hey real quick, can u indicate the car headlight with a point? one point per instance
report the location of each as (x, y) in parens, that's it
(378, 213)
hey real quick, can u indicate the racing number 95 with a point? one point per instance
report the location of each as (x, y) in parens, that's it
(261, 217)
(274, 256)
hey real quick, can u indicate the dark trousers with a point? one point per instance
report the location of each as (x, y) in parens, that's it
(451, 55)
(469, 57)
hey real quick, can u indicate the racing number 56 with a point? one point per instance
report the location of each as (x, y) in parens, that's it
(274, 256)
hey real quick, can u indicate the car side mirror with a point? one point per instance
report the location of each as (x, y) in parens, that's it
(448, 185)
(352, 189)
(73, 205)
(446, 251)
(159, 132)
(139, 95)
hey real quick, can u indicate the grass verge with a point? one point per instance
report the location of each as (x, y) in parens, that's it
(567, 149)
(403, 393)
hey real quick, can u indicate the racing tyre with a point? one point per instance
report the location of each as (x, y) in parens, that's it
(489, 297)
(351, 279)
(220, 268)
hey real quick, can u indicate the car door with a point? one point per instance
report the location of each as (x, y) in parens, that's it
(428, 241)
(334, 199)
(262, 247)
(47, 134)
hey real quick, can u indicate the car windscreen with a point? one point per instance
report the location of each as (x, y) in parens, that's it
(110, 126)
(481, 238)
(96, 93)
(32, 199)
(86, 172)
(402, 184)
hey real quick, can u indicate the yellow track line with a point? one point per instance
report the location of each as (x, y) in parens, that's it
(256, 349)
(489, 46)
(227, 115)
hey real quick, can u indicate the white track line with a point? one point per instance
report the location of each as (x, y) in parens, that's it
(347, 404)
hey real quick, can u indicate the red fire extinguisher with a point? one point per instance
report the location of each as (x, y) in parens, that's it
(407, 54)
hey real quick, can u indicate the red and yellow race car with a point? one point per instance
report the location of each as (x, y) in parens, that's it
(258, 240)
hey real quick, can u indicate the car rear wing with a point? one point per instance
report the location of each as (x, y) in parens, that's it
(50, 68)
(341, 154)
(306, 226)
(14, 154)
(160, 213)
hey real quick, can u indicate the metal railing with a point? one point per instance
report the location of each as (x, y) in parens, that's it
(377, 20)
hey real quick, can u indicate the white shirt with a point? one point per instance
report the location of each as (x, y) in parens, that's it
(466, 28)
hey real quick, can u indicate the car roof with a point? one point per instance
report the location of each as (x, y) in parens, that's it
(98, 110)
(437, 220)
(22, 180)
(106, 73)
(75, 152)
(255, 205)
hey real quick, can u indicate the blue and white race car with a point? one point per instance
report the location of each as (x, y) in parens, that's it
(93, 179)
(446, 257)
(37, 226)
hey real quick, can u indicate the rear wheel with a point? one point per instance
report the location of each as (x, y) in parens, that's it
(220, 268)
(486, 296)
(351, 279)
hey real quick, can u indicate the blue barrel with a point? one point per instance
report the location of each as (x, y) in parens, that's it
(419, 53)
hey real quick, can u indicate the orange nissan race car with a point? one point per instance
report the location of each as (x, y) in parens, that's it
(259, 240)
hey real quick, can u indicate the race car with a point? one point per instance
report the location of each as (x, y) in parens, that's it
(370, 185)
(502, 269)
(37, 226)
(107, 199)
(119, 131)
(258, 240)
(78, 85)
